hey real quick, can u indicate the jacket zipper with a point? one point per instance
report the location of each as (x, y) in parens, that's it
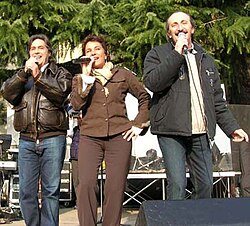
(36, 95)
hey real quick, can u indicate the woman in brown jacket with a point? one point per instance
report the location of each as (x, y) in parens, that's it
(106, 132)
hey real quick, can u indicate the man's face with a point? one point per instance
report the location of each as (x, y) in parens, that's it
(179, 22)
(39, 50)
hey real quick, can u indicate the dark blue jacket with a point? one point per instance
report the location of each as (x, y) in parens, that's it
(166, 75)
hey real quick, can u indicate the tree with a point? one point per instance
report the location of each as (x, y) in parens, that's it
(21, 18)
(132, 28)
(222, 29)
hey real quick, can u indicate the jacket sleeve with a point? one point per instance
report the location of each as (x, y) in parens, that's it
(137, 90)
(224, 116)
(78, 98)
(55, 88)
(161, 68)
(13, 88)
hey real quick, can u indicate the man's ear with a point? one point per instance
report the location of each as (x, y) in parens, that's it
(168, 36)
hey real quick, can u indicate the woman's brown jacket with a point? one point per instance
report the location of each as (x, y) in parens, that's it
(106, 115)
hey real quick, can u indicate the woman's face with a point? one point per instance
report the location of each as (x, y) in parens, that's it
(95, 49)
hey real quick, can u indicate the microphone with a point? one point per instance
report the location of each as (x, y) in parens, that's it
(29, 71)
(37, 58)
(182, 34)
(83, 60)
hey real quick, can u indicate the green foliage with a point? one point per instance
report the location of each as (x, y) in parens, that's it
(131, 28)
(238, 35)
(21, 18)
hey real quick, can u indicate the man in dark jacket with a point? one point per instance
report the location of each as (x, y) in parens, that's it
(38, 93)
(186, 105)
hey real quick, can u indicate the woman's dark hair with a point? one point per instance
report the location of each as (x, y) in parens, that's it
(95, 38)
(42, 37)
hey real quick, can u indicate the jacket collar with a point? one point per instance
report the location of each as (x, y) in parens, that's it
(52, 67)
(196, 46)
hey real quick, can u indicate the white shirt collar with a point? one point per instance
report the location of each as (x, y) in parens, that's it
(44, 67)
(192, 50)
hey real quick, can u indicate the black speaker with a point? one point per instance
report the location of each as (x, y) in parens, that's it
(201, 212)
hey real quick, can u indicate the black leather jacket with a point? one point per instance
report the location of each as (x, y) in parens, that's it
(39, 103)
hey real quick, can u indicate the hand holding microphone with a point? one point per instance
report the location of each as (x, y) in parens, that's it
(181, 45)
(86, 64)
(31, 66)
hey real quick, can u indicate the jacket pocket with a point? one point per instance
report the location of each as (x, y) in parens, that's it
(20, 117)
(51, 117)
(159, 109)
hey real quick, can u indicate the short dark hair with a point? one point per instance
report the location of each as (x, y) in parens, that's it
(95, 38)
(190, 18)
(42, 37)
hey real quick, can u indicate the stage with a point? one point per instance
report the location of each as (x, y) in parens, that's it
(224, 185)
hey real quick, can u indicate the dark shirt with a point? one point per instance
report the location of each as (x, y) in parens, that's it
(75, 143)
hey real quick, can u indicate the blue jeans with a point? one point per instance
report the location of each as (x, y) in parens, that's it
(196, 152)
(45, 160)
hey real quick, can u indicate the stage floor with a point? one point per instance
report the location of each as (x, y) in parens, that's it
(68, 217)
(141, 183)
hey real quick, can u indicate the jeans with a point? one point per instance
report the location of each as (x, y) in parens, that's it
(196, 152)
(40, 160)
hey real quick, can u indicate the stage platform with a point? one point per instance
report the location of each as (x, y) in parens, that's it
(224, 185)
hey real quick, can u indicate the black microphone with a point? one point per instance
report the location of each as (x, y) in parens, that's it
(29, 71)
(83, 60)
(182, 34)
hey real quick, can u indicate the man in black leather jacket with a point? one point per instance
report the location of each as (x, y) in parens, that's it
(186, 105)
(38, 93)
